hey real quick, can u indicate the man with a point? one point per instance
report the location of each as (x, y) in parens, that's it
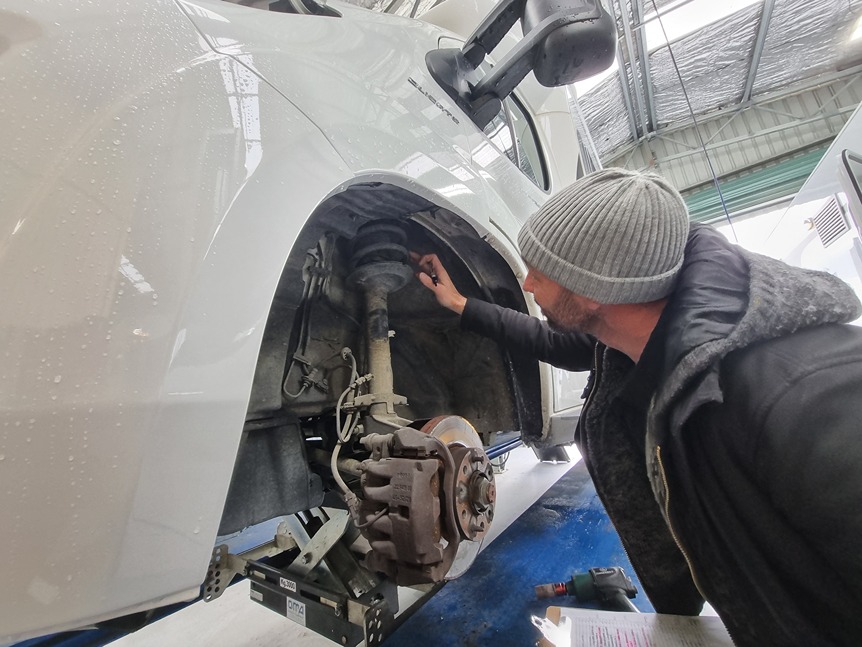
(723, 422)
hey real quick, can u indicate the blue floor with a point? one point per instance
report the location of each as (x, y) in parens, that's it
(565, 532)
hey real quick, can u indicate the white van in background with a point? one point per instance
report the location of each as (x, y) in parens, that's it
(821, 228)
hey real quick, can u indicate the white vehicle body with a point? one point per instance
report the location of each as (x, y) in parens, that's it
(158, 163)
(821, 229)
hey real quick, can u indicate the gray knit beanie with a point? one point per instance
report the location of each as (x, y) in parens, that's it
(613, 236)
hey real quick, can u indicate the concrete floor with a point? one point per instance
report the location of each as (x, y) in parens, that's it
(233, 620)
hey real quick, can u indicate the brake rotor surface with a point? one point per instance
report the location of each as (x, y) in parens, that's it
(474, 490)
(452, 430)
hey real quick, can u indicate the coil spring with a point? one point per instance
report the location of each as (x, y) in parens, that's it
(381, 241)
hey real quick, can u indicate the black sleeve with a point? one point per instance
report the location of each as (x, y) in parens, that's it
(525, 334)
(810, 453)
(800, 430)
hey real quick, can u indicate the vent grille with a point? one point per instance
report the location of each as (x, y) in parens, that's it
(830, 223)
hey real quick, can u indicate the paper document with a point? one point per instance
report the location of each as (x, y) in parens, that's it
(591, 628)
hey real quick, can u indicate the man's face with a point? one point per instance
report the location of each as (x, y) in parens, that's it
(564, 310)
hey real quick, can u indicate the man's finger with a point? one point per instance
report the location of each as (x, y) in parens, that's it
(426, 280)
(426, 261)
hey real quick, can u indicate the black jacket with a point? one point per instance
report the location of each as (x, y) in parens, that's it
(752, 438)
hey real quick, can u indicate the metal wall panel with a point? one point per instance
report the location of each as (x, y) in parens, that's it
(745, 138)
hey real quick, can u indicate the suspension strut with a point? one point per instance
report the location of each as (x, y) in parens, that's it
(427, 496)
(379, 264)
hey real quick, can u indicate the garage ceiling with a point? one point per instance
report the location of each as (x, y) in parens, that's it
(761, 48)
(753, 51)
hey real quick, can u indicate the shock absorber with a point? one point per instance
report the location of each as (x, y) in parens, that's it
(379, 263)
(427, 496)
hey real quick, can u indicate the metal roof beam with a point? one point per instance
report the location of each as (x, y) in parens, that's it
(585, 138)
(646, 77)
(724, 125)
(762, 133)
(852, 74)
(659, 13)
(627, 39)
(849, 76)
(694, 147)
(757, 52)
(626, 92)
(624, 82)
(836, 95)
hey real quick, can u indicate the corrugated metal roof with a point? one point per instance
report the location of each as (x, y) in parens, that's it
(803, 39)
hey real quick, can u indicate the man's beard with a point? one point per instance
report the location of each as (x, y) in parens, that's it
(567, 315)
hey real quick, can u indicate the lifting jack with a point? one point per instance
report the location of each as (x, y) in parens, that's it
(298, 582)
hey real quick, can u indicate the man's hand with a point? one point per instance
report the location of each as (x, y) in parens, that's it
(434, 276)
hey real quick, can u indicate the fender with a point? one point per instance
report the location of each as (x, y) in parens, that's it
(147, 211)
(140, 243)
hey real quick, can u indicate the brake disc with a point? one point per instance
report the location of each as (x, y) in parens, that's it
(453, 430)
(474, 491)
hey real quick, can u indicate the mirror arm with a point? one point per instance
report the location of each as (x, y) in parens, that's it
(519, 61)
(492, 29)
(457, 73)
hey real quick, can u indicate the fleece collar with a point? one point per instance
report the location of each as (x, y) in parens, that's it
(728, 298)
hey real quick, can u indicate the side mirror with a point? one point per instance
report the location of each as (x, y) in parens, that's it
(571, 45)
(564, 41)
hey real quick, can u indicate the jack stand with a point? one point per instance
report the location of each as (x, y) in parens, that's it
(293, 582)
(333, 614)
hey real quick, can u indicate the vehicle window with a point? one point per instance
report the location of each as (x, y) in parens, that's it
(500, 134)
(514, 135)
(531, 161)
